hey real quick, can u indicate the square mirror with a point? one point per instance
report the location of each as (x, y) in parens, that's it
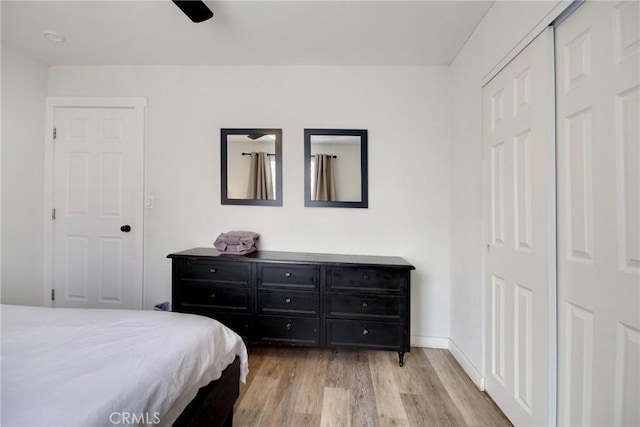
(335, 162)
(251, 168)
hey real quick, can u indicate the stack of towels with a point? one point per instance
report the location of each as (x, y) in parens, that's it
(237, 242)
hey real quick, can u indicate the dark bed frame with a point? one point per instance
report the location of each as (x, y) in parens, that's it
(213, 405)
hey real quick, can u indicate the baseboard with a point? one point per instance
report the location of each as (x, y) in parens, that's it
(466, 364)
(429, 342)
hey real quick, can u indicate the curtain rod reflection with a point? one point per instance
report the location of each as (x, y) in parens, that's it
(248, 154)
(332, 155)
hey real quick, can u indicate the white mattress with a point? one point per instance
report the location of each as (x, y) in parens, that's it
(69, 367)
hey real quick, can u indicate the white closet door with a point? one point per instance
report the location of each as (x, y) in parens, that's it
(598, 220)
(518, 178)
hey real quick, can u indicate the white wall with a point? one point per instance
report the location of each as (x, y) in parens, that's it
(24, 88)
(405, 110)
(502, 28)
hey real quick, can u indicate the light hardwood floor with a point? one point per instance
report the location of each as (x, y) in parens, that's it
(289, 386)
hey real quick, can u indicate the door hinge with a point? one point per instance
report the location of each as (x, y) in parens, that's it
(55, 133)
(53, 213)
(53, 294)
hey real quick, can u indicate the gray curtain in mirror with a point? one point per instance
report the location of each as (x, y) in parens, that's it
(260, 180)
(325, 182)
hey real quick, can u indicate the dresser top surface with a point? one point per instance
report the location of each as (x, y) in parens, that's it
(298, 257)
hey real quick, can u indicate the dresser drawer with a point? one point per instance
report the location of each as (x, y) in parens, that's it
(380, 307)
(289, 276)
(289, 330)
(288, 302)
(355, 333)
(210, 296)
(241, 324)
(229, 273)
(365, 280)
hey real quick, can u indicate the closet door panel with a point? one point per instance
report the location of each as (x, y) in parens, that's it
(518, 182)
(598, 204)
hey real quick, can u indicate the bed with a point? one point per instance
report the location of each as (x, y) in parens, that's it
(117, 367)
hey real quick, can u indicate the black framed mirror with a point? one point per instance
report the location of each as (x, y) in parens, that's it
(335, 168)
(251, 166)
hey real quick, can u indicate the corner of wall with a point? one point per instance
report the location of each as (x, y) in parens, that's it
(24, 90)
(477, 378)
(429, 342)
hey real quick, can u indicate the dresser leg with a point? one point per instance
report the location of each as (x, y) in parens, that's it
(401, 358)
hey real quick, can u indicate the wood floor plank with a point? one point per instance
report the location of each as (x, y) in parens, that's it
(388, 401)
(336, 407)
(250, 411)
(476, 407)
(337, 367)
(425, 399)
(272, 364)
(290, 383)
(259, 394)
(350, 369)
(422, 411)
(313, 381)
(254, 366)
(357, 378)
(305, 420)
(247, 417)
(409, 377)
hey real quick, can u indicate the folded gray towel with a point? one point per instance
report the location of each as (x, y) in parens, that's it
(237, 242)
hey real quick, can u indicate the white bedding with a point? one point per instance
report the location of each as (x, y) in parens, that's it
(81, 367)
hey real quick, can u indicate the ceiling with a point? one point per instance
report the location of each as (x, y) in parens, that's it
(299, 32)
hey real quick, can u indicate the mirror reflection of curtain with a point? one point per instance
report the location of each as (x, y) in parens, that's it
(260, 179)
(325, 182)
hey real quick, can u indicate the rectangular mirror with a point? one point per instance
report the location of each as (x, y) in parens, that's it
(251, 166)
(335, 162)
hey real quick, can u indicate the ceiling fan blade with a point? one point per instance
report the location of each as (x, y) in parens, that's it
(256, 135)
(196, 10)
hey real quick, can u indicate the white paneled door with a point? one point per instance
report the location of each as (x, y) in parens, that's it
(598, 154)
(519, 221)
(97, 197)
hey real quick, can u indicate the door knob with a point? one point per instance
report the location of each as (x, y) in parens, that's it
(125, 228)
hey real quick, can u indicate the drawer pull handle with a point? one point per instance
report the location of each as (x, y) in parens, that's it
(365, 304)
(212, 296)
(287, 300)
(287, 274)
(365, 331)
(213, 270)
(366, 277)
(288, 326)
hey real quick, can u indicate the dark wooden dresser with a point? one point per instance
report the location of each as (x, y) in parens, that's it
(307, 299)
